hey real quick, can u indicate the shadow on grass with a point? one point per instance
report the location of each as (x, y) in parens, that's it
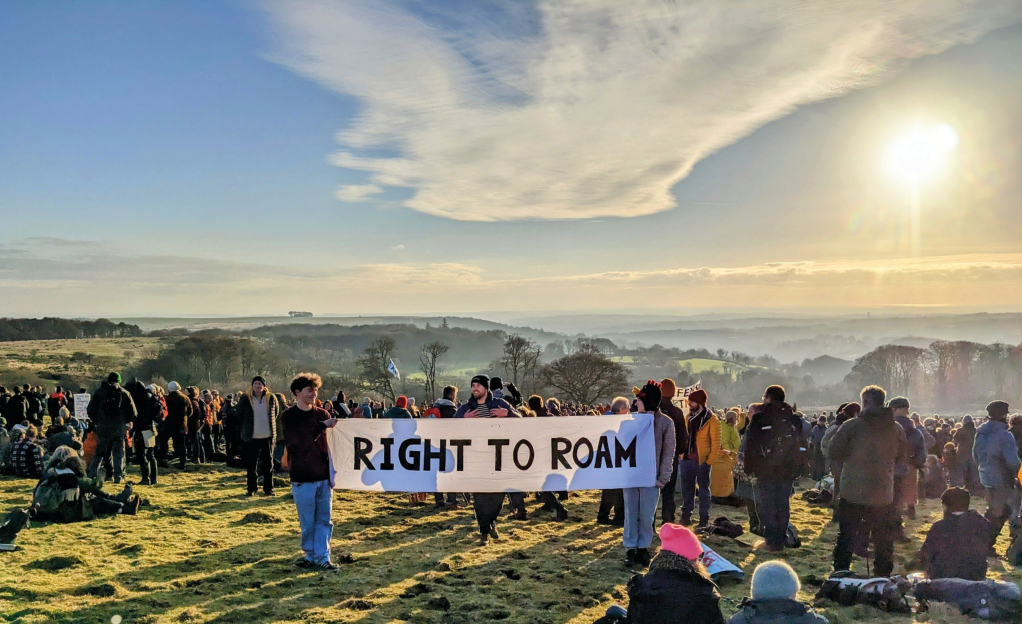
(256, 582)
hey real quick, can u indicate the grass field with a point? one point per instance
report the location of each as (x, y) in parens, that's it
(202, 552)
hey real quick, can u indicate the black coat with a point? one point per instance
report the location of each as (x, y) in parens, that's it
(111, 410)
(775, 444)
(956, 547)
(674, 591)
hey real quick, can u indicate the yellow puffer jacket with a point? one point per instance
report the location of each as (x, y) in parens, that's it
(708, 441)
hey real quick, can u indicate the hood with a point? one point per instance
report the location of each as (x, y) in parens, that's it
(675, 563)
(446, 402)
(876, 414)
(906, 423)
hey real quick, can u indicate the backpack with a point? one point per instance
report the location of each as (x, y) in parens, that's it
(782, 450)
(791, 538)
(156, 407)
(48, 496)
(723, 526)
(886, 594)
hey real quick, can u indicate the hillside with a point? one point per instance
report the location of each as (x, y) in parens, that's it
(204, 553)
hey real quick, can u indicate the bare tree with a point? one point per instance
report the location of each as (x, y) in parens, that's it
(892, 367)
(373, 364)
(520, 358)
(586, 376)
(428, 363)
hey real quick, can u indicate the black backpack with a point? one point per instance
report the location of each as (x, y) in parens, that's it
(783, 448)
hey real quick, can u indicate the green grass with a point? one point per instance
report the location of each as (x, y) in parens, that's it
(188, 557)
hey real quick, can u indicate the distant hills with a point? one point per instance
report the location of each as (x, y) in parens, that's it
(788, 339)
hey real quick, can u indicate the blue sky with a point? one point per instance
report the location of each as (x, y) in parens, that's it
(189, 157)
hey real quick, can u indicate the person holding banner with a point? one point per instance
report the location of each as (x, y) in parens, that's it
(307, 458)
(641, 502)
(487, 505)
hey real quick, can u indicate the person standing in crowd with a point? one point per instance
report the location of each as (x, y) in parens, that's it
(775, 455)
(400, 409)
(16, 408)
(444, 407)
(702, 451)
(956, 546)
(997, 458)
(906, 484)
(257, 416)
(869, 448)
(487, 505)
(143, 432)
(845, 413)
(56, 401)
(965, 439)
(641, 502)
(722, 480)
(175, 426)
(613, 499)
(340, 402)
(677, 416)
(112, 412)
(196, 425)
(308, 462)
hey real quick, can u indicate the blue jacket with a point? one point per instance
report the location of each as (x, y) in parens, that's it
(491, 404)
(996, 454)
(916, 457)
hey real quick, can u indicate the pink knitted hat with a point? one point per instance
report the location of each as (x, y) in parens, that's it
(680, 541)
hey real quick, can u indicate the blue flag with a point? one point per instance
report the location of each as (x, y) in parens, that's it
(393, 369)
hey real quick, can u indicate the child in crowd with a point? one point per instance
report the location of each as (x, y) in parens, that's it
(934, 482)
(954, 466)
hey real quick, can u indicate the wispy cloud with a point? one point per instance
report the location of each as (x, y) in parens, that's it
(107, 281)
(354, 193)
(591, 108)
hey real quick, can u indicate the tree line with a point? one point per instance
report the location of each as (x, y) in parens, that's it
(949, 374)
(61, 329)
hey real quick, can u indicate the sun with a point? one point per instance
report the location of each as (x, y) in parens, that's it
(921, 152)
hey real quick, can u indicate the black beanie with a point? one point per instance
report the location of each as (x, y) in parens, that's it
(998, 408)
(496, 383)
(651, 395)
(260, 379)
(482, 380)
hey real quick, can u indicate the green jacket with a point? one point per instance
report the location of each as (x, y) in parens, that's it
(869, 447)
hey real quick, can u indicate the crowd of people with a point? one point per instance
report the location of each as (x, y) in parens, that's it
(874, 458)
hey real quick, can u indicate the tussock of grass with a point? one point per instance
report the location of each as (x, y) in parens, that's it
(192, 557)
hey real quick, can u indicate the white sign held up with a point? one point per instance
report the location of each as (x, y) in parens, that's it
(493, 454)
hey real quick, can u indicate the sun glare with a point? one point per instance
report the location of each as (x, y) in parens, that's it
(921, 152)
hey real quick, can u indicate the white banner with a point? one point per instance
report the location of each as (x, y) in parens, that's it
(493, 454)
(82, 405)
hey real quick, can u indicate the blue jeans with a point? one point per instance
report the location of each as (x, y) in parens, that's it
(690, 474)
(640, 513)
(315, 506)
(773, 504)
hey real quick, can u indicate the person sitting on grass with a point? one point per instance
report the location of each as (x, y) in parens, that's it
(677, 589)
(66, 494)
(957, 546)
(774, 587)
(27, 455)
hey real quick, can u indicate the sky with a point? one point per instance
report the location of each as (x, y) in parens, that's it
(242, 158)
